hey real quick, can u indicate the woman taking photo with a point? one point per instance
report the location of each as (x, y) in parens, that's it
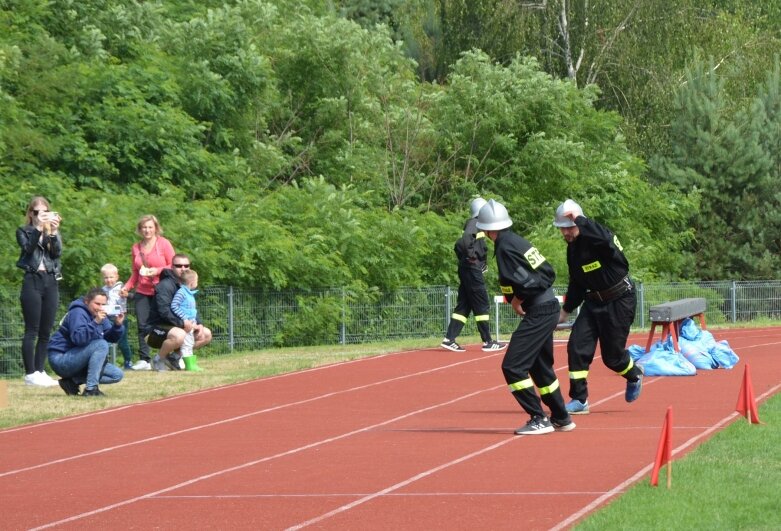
(41, 246)
(149, 257)
(79, 349)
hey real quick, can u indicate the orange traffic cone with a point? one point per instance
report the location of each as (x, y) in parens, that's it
(747, 405)
(665, 450)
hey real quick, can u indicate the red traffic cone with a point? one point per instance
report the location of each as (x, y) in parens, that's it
(664, 450)
(747, 405)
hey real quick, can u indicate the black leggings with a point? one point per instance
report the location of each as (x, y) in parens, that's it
(143, 305)
(40, 298)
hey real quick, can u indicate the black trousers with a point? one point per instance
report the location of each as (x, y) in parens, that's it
(607, 323)
(472, 297)
(40, 298)
(143, 305)
(528, 363)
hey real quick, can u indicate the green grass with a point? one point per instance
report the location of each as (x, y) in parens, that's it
(729, 482)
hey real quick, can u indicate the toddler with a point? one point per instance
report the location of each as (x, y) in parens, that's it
(183, 305)
(116, 304)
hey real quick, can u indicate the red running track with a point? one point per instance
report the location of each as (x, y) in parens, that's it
(411, 440)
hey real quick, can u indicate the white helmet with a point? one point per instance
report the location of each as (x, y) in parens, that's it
(476, 205)
(493, 216)
(563, 221)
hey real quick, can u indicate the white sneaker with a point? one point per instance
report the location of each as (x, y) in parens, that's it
(142, 365)
(35, 379)
(46, 379)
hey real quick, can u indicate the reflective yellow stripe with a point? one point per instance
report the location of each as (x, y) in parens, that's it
(507, 290)
(591, 267)
(549, 389)
(459, 317)
(628, 367)
(578, 375)
(520, 386)
(482, 317)
(479, 235)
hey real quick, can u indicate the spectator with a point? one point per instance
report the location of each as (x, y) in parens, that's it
(598, 278)
(167, 330)
(41, 245)
(526, 279)
(78, 351)
(471, 251)
(150, 257)
(184, 306)
(117, 304)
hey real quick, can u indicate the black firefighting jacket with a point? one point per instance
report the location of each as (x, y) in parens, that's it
(523, 271)
(595, 260)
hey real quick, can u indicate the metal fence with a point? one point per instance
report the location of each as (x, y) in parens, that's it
(248, 319)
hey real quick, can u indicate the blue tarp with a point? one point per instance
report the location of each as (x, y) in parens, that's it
(699, 347)
(699, 350)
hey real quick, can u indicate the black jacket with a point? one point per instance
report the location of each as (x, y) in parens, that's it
(471, 248)
(523, 271)
(595, 261)
(33, 249)
(161, 312)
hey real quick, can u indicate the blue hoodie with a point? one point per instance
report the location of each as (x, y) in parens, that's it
(78, 329)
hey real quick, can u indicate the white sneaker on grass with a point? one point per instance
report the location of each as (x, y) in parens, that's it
(142, 365)
(36, 379)
(50, 382)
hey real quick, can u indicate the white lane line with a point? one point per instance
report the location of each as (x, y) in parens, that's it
(265, 459)
(401, 484)
(47, 423)
(236, 418)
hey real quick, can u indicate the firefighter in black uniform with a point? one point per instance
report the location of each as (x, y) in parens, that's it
(471, 251)
(526, 278)
(598, 278)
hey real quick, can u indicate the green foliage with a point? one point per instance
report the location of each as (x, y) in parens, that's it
(286, 147)
(731, 157)
(314, 322)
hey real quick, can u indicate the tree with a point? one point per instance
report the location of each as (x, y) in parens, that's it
(723, 154)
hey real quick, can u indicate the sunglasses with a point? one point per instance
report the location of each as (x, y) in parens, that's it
(182, 265)
(37, 211)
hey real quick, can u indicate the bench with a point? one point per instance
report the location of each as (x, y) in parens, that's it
(670, 315)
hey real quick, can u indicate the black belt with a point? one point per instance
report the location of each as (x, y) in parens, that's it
(612, 292)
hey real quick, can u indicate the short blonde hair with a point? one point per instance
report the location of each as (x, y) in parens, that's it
(109, 268)
(187, 275)
(148, 217)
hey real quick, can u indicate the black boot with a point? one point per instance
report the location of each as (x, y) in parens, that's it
(70, 387)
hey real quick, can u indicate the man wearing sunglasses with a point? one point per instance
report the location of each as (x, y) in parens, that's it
(166, 330)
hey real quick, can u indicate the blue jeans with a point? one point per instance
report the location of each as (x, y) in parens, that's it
(86, 365)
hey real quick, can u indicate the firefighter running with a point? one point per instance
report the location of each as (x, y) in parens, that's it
(526, 279)
(598, 278)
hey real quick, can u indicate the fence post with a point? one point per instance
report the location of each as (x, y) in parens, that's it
(230, 318)
(497, 301)
(342, 331)
(447, 307)
(641, 301)
(734, 297)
